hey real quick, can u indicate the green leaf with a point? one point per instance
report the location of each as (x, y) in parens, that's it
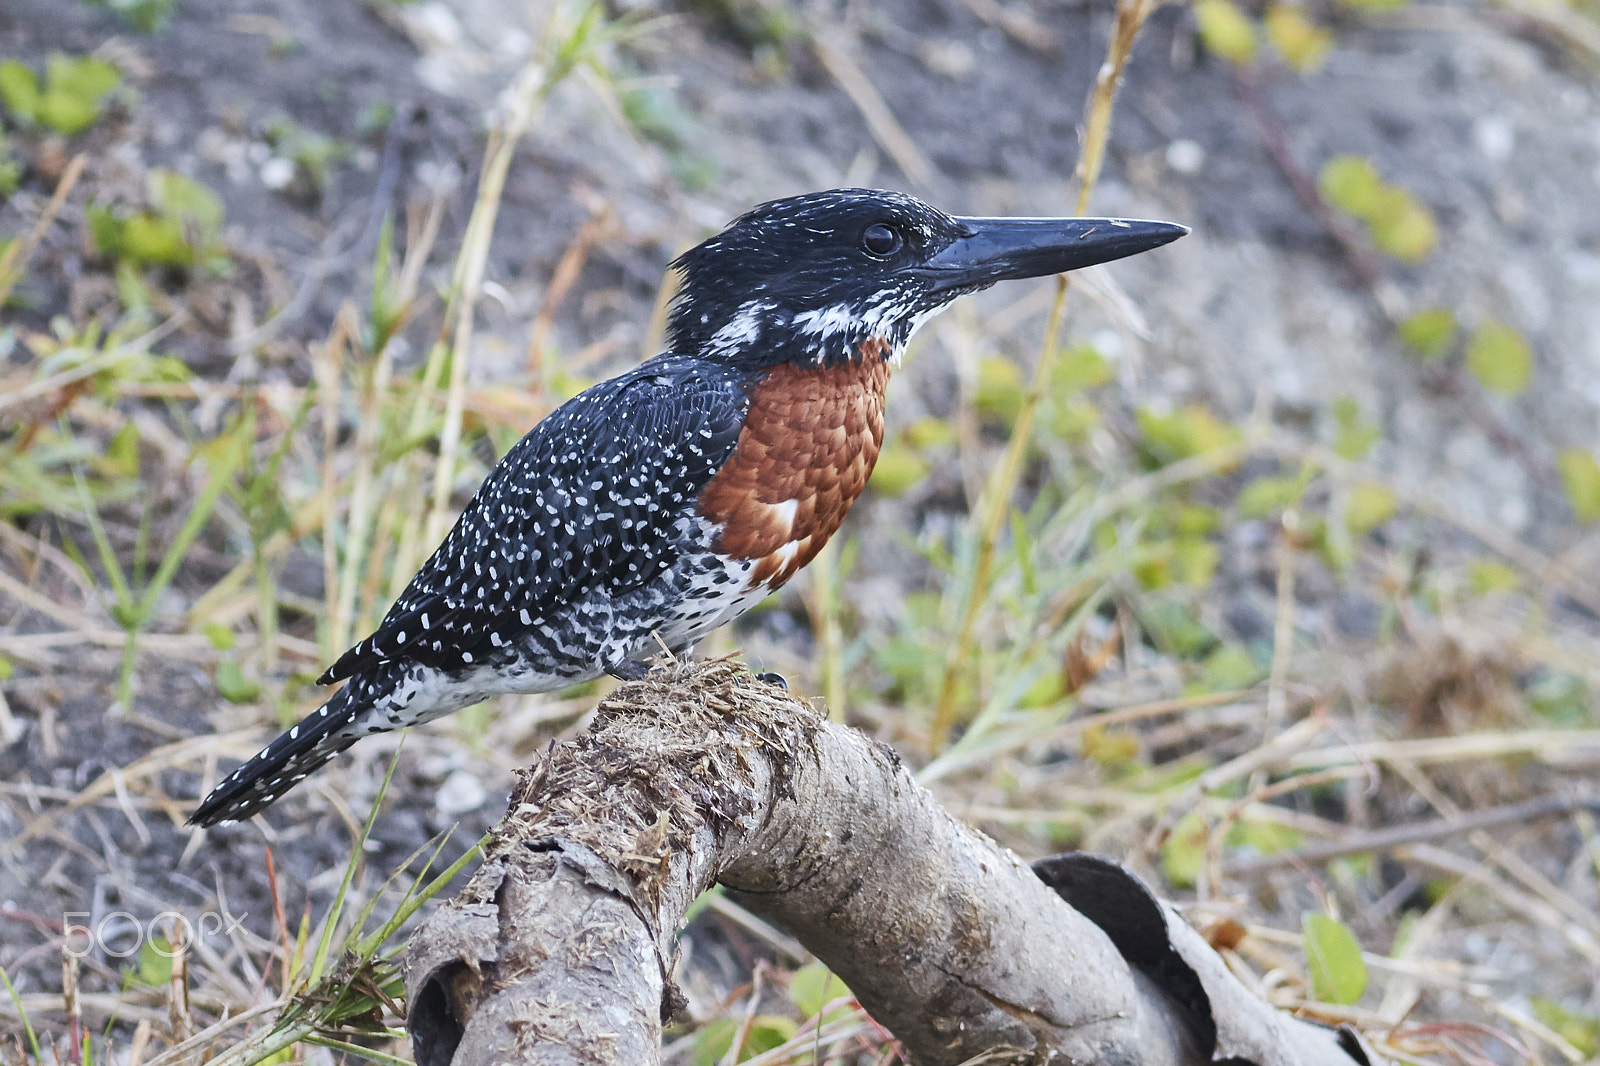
(85, 77)
(1580, 477)
(19, 90)
(1195, 561)
(151, 238)
(712, 1041)
(1302, 44)
(1230, 667)
(814, 986)
(1368, 507)
(1185, 853)
(1078, 368)
(1356, 435)
(154, 968)
(106, 229)
(1110, 749)
(1490, 575)
(1070, 419)
(1044, 692)
(1225, 30)
(220, 636)
(8, 668)
(146, 16)
(233, 686)
(897, 470)
(131, 288)
(1350, 183)
(1429, 332)
(1264, 837)
(1399, 225)
(121, 459)
(1187, 432)
(1499, 358)
(768, 1031)
(1582, 1031)
(1402, 227)
(1196, 520)
(75, 87)
(190, 203)
(999, 390)
(1176, 628)
(1338, 973)
(931, 432)
(1265, 495)
(66, 113)
(1561, 699)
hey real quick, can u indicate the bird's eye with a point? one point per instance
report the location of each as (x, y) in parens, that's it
(881, 240)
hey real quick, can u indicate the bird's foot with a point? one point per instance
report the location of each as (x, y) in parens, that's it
(773, 678)
(628, 671)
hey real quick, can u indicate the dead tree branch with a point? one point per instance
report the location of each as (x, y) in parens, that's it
(560, 949)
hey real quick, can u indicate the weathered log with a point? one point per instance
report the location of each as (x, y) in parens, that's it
(560, 949)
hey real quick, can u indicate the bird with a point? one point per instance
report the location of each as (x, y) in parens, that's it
(664, 502)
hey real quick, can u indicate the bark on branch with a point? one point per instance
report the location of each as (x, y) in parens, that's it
(560, 949)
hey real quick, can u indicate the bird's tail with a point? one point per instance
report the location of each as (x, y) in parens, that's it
(284, 763)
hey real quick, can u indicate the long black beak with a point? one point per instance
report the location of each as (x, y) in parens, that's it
(999, 249)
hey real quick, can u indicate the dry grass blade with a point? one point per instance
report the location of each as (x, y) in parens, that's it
(886, 129)
(1017, 23)
(1002, 484)
(532, 86)
(19, 253)
(1097, 125)
(593, 229)
(160, 759)
(1557, 747)
(1355, 842)
(184, 1051)
(1514, 899)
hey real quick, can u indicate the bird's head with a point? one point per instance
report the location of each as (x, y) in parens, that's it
(830, 277)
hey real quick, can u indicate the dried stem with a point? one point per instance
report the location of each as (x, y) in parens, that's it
(1003, 483)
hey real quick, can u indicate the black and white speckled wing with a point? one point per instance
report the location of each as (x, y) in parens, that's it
(584, 505)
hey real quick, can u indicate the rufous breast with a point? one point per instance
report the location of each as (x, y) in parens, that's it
(810, 439)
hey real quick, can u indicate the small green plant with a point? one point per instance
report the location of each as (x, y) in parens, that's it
(135, 596)
(10, 171)
(70, 98)
(1338, 972)
(1301, 43)
(1225, 30)
(305, 157)
(42, 462)
(1580, 478)
(1356, 435)
(182, 227)
(1499, 358)
(1429, 333)
(1399, 225)
(713, 1041)
(660, 117)
(146, 16)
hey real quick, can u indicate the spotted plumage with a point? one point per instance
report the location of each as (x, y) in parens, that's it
(661, 504)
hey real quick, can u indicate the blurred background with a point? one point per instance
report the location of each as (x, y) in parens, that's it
(1271, 572)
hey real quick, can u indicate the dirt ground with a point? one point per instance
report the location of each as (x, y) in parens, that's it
(1486, 114)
